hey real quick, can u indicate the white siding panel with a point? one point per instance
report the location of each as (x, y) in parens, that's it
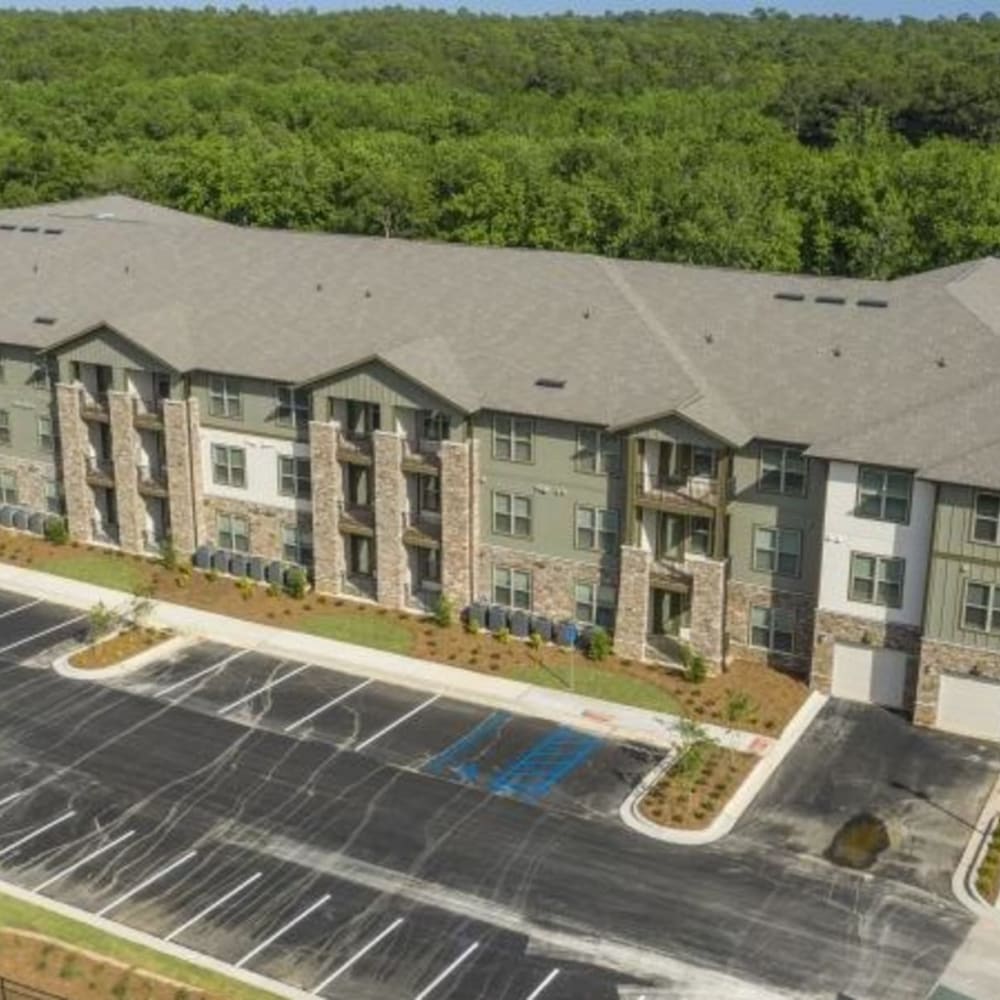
(262, 467)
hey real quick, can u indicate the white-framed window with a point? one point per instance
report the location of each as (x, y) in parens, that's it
(699, 535)
(4, 427)
(981, 607)
(513, 438)
(297, 544)
(8, 486)
(433, 425)
(428, 566)
(361, 555)
(597, 451)
(877, 579)
(292, 409)
(512, 587)
(46, 435)
(782, 470)
(359, 480)
(596, 528)
(986, 522)
(224, 397)
(54, 502)
(777, 550)
(594, 604)
(884, 494)
(511, 514)
(429, 494)
(233, 532)
(772, 629)
(294, 476)
(363, 418)
(702, 462)
(229, 466)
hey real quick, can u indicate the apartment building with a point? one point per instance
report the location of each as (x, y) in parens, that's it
(795, 469)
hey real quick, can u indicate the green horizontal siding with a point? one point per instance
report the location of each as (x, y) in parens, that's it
(25, 399)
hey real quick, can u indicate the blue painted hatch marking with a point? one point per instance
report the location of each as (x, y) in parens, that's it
(554, 757)
(450, 760)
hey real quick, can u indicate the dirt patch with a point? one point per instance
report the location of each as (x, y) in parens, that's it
(47, 965)
(859, 842)
(691, 794)
(117, 649)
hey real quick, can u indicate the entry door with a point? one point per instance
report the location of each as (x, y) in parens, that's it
(670, 612)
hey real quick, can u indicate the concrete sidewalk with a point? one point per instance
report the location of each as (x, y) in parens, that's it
(608, 720)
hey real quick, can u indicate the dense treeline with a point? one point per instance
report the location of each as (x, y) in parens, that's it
(826, 145)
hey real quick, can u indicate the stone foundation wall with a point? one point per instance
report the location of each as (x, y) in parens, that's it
(741, 597)
(456, 520)
(390, 494)
(264, 522)
(124, 447)
(632, 614)
(833, 627)
(708, 608)
(328, 547)
(184, 503)
(937, 658)
(73, 457)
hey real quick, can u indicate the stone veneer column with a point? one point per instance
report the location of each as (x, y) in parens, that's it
(184, 497)
(390, 556)
(124, 445)
(73, 446)
(328, 547)
(457, 525)
(708, 608)
(632, 616)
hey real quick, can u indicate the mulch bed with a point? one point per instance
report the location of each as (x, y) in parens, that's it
(118, 648)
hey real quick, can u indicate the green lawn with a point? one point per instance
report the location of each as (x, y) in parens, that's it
(18, 914)
(596, 682)
(376, 631)
(95, 567)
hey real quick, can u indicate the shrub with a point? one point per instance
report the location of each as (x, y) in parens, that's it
(535, 640)
(245, 586)
(101, 620)
(168, 553)
(738, 706)
(471, 625)
(599, 646)
(211, 575)
(444, 611)
(272, 590)
(695, 667)
(55, 531)
(296, 583)
(503, 635)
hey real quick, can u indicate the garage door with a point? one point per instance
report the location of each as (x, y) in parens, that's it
(865, 674)
(969, 705)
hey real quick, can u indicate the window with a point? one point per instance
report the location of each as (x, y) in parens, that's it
(428, 566)
(46, 438)
(700, 535)
(224, 398)
(773, 629)
(513, 438)
(229, 466)
(293, 407)
(294, 476)
(363, 418)
(8, 486)
(434, 426)
(234, 533)
(53, 497)
(595, 604)
(597, 529)
(361, 555)
(597, 451)
(702, 462)
(782, 470)
(429, 494)
(512, 588)
(358, 486)
(986, 525)
(883, 494)
(4, 427)
(41, 376)
(511, 515)
(296, 544)
(777, 550)
(982, 607)
(877, 580)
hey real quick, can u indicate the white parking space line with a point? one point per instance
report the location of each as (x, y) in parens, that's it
(37, 833)
(426, 991)
(212, 907)
(11, 798)
(284, 930)
(392, 725)
(357, 956)
(38, 635)
(262, 689)
(149, 881)
(319, 711)
(20, 607)
(201, 673)
(90, 857)
(544, 984)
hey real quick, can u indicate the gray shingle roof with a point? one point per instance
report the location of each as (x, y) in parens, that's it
(479, 325)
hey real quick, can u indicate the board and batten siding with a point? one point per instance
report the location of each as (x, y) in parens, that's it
(555, 484)
(956, 559)
(750, 508)
(105, 347)
(259, 405)
(844, 533)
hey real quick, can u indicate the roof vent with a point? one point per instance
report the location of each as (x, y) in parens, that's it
(586, 314)
(368, 293)
(709, 338)
(836, 352)
(790, 296)
(941, 363)
(45, 320)
(550, 383)
(52, 232)
(831, 300)
(8, 227)
(873, 303)
(29, 229)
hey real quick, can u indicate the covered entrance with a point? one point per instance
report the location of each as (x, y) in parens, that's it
(669, 618)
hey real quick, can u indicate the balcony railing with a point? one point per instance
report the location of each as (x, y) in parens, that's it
(94, 406)
(151, 476)
(354, 445)
(105, 533)
(684, 491)
(148, 411)
(421, 527)
(102, 469)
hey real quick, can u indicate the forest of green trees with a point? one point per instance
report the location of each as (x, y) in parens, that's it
(833, 146)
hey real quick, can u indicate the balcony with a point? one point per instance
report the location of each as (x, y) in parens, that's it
(100, 471)
(153, 542)
(148, 413)
(421, 529)
(354, 446)
(422, 456)
(94, 406)
(152, 478)
(356, 519)
(104, 534)
(681, 494)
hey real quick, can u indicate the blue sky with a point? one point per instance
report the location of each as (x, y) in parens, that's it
(857, 8)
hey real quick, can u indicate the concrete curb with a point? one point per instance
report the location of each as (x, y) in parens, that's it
(156, 944)
(742, 797)
(166, 648)
(963, 881)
